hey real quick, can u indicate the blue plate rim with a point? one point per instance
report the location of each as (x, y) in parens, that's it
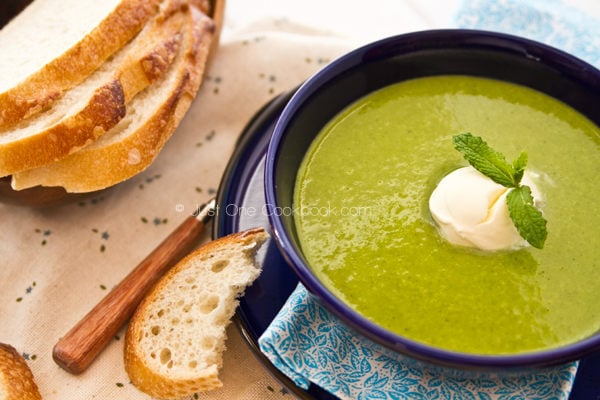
(246, 157)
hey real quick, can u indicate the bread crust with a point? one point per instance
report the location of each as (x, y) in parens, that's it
(150, 57)
(144, 377)
(46, 85)
(97, 167)
(161, 44)
(16, 378)
(105, 110)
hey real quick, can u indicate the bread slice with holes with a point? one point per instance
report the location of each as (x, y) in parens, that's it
(16, 379)
(175, 340)
(56, 44)
(88, 110)
(152, 116)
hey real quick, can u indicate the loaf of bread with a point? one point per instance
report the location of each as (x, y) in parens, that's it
(16, 379)
(88, 110)
(53, 45)
(84, 129)
(151, 118)
(175, 340)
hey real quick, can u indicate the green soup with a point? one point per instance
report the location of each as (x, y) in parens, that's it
(364, 224)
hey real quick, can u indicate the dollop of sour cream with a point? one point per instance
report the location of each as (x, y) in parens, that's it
(470, 210)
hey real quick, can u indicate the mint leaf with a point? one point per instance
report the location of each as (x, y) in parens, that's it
(527, 218)
(486, 160)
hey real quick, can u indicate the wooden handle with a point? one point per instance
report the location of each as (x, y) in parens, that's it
(79, 347)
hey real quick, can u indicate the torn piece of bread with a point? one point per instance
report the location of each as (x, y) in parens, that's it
(16, 379)
(136, 140)
(175, 340)
(53, 45)
(88, 110)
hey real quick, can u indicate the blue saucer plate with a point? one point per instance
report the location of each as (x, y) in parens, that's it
(241, 205)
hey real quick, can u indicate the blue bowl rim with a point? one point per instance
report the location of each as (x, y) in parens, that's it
(393, 341)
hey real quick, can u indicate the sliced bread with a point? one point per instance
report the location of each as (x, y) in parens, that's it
(136, 140)
(175, 340)
(93, 107)
(56, 44)
(16, 379)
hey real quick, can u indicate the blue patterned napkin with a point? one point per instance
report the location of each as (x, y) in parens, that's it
(309, 344)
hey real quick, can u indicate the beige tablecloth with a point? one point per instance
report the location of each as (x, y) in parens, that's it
(56, 264)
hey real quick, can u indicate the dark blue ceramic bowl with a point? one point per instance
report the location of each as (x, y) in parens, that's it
(389, 61)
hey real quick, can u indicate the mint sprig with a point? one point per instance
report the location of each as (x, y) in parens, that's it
(528, 220)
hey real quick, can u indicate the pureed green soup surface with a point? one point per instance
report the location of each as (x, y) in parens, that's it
(365, 226)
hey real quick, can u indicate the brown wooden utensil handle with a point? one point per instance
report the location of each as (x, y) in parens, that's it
(79, 347)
